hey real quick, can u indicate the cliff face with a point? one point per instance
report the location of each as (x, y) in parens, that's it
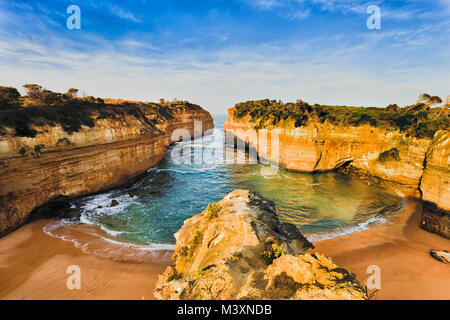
(87, 161)
(238, 249)
(388, 155)
(435, 186)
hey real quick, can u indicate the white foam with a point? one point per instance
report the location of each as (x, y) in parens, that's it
(196, 170)
(105, 247)
(340, 232)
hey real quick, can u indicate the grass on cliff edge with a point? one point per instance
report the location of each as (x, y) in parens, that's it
(418, 120)
(43, 107)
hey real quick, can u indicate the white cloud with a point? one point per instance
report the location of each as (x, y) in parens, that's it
(123, 13)
(290, 9)
(265, 4)
(369, 68)
(331, 71)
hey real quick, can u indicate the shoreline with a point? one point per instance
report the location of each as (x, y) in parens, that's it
(401, 249)
(33, 264)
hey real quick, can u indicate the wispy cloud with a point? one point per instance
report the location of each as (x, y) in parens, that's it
(222, 63)
(265, 4)
(316, 70)
(123, 13)
(290, 9)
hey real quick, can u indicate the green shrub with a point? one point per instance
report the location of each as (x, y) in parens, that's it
(184, 251)
(8, 97)
(37, 150)
(173, 275)
(196, 242)
(63, 141)
(212, 211)
(272, 250)
(389, 155)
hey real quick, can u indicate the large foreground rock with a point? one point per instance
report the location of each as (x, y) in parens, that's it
(243, 251)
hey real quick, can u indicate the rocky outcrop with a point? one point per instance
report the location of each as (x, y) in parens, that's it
(55, 164)
(238, 249)
(442, 256)
(435, 186)
(377, 152)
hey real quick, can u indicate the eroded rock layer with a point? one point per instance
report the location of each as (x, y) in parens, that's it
(238, 249)
(93, 159)
(435, 186)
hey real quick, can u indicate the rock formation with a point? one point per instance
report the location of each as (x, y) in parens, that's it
(55, 164)
(442, 256)
(386, 154)
(238, 249)
(435, 186)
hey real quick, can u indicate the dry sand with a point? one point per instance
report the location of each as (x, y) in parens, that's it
(401, 250)
(33, 265)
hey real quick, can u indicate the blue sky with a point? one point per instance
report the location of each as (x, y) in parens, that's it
(219, 52)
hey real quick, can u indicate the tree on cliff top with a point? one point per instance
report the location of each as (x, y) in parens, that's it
(72, 92)
(393, 108)
(428, 99)
(34, 94)
(8, 95)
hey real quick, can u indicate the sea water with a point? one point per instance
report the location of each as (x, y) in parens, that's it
(321, 205)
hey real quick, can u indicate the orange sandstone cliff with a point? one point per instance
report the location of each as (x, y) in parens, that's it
(421, 164)
(111, 153)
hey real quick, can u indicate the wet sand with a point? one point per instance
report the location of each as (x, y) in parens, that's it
(33, 265)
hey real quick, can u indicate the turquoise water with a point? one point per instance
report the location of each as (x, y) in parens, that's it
(321, 205)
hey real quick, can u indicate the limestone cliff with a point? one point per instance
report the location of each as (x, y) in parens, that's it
(55, 164)
(238, 249)
(435, 186)
(386, 154)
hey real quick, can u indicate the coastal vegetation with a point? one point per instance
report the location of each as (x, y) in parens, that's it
(272, 250)
(37, 150)
(212, 211)
(419, 120)
(389, 155)
(44, 107)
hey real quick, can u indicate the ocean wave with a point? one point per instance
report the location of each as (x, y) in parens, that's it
(92, 243)
(101, 203)
(347, 230)
(197, 170)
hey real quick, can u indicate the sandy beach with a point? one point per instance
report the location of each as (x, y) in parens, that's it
(401, 250)
(33, 265)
